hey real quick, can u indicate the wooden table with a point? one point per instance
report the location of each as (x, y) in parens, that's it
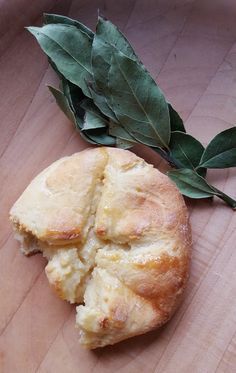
(190, 49)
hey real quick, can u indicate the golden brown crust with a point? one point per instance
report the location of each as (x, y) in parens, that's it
(55, 206)
(115, 230)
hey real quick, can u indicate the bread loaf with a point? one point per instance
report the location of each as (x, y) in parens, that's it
(116, 235)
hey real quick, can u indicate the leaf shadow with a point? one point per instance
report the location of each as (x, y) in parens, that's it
(150, 156)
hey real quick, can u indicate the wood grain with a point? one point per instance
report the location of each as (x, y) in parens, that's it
(190, 48)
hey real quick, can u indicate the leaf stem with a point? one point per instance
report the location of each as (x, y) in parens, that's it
(164, 155)
(227, 199)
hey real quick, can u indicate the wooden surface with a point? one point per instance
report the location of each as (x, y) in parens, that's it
(190, 48)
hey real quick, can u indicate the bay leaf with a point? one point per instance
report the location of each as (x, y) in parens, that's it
(69, 49)
(221, 151)
(110, 34)
(75, 96)
(93, 117)
(118, 131)
(87, 138)
(56, 18)
(92, 121)
(191, 184)
(63, 103)
(186, 150)
(140, 138)
(55, 68)
(64, 86)
(101, 102)
(73, 93)
(123, 144)
(137, 101)
(176, 122)
(107, 39)
(100, 136)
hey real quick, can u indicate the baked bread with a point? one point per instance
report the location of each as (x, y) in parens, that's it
(116, 235)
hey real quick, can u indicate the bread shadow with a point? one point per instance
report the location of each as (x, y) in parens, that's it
(131, 346)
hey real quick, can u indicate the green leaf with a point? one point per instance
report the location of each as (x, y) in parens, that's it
(64, 86)
(63, 103)
(137, 101)
(56, 18)
(96, 124)
(69, 49)
(123, 144)
(117, 131)
(110, 34)
(93, 117)
(88, 105)
(100, 136)
(193, 185)
(75, 96)
(221, 152)
(101, 102)
(176, 122)
(186, 150)
(55, 68)
(107, 40)
(91, 121)
(87, 138)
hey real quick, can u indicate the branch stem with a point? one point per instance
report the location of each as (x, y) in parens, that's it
(227, 199)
